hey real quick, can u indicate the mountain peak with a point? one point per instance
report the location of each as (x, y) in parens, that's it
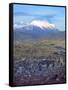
(42, 24)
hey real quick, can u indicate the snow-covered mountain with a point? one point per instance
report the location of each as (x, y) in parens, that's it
(38, 23)
(42, 24)
(37, 29)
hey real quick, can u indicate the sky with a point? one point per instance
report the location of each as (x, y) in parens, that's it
(23, 14)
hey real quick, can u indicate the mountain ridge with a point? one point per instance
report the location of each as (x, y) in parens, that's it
(34, 33)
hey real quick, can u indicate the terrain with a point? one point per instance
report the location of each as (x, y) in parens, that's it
(39, 56)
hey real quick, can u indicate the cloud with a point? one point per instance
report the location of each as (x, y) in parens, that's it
(21, 14)
(29, 12)
(45, 14)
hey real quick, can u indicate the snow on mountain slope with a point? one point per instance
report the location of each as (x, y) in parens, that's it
(38, 23)
(43, 24)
